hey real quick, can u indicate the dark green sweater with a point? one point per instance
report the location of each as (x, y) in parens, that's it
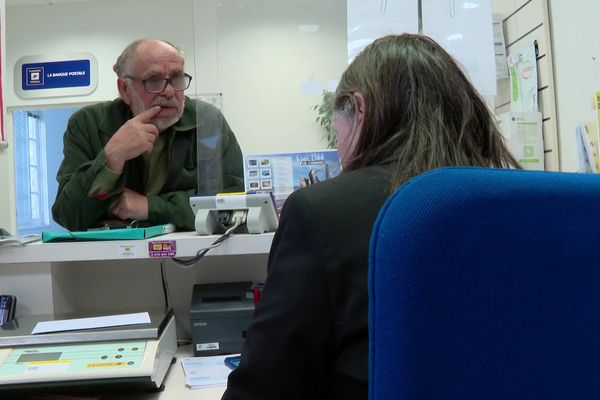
(208, 142)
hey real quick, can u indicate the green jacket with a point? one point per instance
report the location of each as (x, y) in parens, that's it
(209, 144)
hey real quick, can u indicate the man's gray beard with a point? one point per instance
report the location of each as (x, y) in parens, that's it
(163, 124)
(137, 107)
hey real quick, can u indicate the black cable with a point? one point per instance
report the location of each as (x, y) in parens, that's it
(163, 276)
(190, 261)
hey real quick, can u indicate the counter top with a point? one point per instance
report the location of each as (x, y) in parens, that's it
(178, 244)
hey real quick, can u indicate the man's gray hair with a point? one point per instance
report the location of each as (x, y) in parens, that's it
(121, 67)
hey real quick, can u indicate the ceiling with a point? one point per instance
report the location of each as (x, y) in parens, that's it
(12, 3)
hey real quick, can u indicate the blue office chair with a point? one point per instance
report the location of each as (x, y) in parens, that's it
(485, 284)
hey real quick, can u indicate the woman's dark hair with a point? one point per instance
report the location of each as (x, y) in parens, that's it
(421, 111)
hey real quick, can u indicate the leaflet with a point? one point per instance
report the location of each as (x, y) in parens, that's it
(202, 372)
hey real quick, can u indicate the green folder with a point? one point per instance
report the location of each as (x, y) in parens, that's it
(109, 234)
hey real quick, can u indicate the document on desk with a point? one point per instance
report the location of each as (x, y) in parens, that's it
(91, 323)
(203, 372)
(19, 240)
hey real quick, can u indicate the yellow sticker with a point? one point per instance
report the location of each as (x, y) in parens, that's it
(107, 364)
(230, 194)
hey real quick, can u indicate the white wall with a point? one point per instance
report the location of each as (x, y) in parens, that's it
(263, 61)
(252, 52)
(575, 33)
(102, 28)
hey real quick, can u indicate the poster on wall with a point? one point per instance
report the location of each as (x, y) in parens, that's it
(57, 75)
(282, 173)
(523, 73)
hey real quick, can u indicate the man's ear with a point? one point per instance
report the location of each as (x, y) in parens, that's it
(122, 85)
(359, 104)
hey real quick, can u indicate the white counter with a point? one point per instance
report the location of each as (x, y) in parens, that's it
(109, 276)
(187, 244)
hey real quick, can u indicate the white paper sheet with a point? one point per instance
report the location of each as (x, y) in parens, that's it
(584, 151)
(499, 47)
(464, 29)
(371, 19)
(201, 372)
(91, 323)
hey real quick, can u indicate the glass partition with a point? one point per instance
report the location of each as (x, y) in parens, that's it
(272, 64)
(266, 64)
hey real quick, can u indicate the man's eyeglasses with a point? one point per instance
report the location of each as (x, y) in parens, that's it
(157, 85)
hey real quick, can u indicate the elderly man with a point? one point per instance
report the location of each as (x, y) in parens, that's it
(136, 157)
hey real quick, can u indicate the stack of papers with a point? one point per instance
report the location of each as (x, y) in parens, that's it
(203, 372)
(19, 240)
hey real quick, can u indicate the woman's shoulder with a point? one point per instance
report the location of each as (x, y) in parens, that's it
(361, 180)
(367, 187)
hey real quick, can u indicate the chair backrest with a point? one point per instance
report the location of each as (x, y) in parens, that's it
(485, 284)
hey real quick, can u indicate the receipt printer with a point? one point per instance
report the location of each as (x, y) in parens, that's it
(220, 314)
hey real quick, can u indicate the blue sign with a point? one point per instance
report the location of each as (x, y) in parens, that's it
(53, 75)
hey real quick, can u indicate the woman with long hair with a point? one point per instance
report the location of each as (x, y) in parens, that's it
(402, 107)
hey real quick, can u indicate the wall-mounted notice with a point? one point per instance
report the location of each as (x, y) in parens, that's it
(371, 19)
(464, 29)
(499, 47)
(58, 75)
(522, 69)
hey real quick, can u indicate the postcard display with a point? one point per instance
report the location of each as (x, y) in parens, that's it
(282, 173)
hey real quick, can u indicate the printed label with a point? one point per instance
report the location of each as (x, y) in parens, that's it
(162, 248)
(127, 250)
(107, 364)
(47, 366)
(230, 201)
(207, 346)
